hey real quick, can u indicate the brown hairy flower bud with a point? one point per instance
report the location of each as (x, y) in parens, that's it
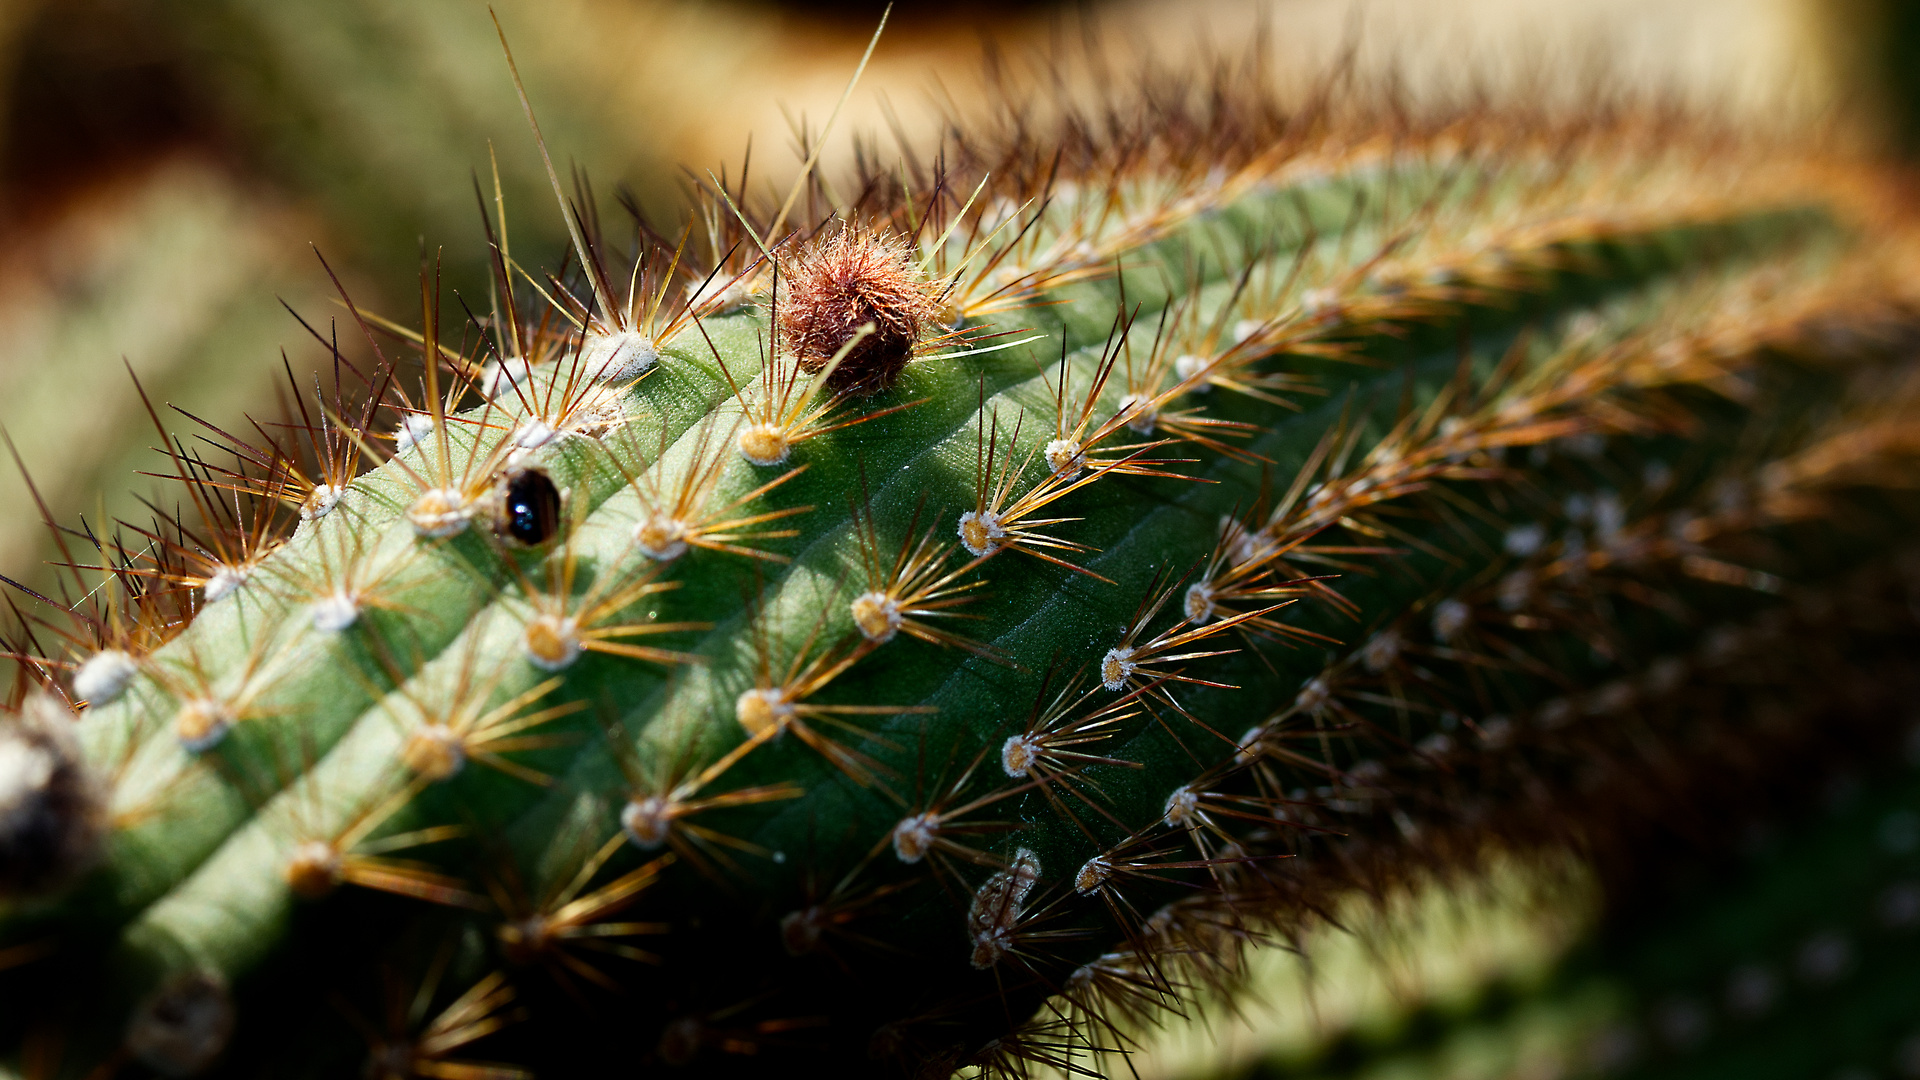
(847, 281)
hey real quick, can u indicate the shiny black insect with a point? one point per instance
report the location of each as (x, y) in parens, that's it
(529, 510)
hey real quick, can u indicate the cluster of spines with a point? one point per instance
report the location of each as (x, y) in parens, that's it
(1807, 921)
(1260, 563)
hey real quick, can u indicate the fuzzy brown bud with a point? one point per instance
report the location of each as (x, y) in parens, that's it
(842, 284)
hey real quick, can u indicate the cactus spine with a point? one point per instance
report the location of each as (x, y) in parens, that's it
(927, 635)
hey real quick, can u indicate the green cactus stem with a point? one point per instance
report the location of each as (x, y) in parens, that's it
(1769, 936)
(929, 636)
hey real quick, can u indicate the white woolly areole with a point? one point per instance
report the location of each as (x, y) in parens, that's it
(1382, 651)
(1609, 515)
(222, 581)
(1140, 413)
(1117, 667)
(1066, 458)
(501, 376)
(316, 857)
(1449, 618)
(439, 512)
(434, 752)
(26, 769)
(981, 532)
(321, 501)
(104, 676)
(201, 723)
(763, 444)
(415, 428)
(332, 614)
(618, 357)
(800, 930)
(595, 414)
(1314, 696)
(1315, 303)
(878, 616)
(534, 434)
(647, 822)
(1093, 874)
(1240, 543)
(661, 537)
(762, 708)
(1183, 807)
(1199, 604)
(552, 642)
(1249, 745)
(1018, 754)
(997, 908)
(1194, 368)
(913, 837)
(1524, 540)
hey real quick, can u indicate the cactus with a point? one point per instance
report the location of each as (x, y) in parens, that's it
(1790, 957)
(1798, 962)
(937, 617)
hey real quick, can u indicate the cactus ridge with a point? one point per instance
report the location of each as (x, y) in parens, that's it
(1789, 958)
(1070, 562)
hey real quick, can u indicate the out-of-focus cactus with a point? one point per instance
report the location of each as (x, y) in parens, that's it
(1789, 953)
(930, 621)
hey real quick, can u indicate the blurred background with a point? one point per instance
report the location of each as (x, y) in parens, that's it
(169, 168)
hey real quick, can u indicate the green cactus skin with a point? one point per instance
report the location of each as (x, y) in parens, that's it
(1805, 955)
(1411, 450)
(1789, 951)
